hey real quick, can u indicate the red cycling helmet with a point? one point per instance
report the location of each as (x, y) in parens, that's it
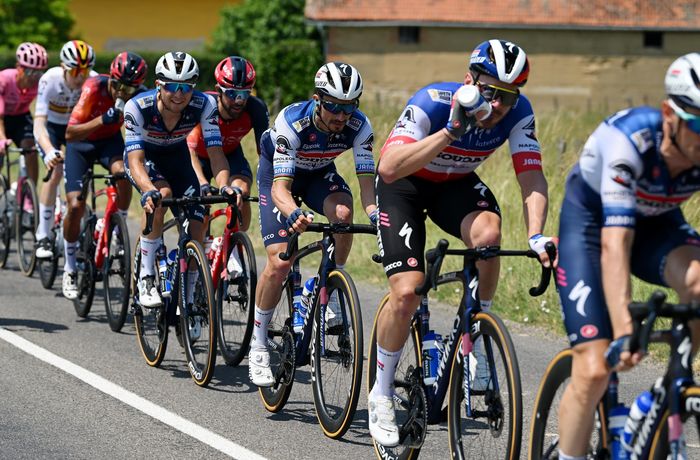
(129, 68)
(235, 72)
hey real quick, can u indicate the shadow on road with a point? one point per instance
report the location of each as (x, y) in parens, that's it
(31, 324)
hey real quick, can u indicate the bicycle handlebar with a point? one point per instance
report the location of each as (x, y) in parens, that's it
(326, 227)
(435, 256)
(186, 201)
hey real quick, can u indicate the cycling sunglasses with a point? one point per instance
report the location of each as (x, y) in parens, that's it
(693, 121)
(492, 92)
(173, 87)
(32, 72)
(123, 87)
(79, 72)
(336, 108)
(235, 94)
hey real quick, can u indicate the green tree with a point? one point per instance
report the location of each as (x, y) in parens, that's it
(272, 34)
(47, 22)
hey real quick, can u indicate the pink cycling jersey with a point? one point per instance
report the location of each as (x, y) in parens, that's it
(14, 100)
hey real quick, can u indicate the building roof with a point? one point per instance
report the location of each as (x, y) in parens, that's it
(652, 14)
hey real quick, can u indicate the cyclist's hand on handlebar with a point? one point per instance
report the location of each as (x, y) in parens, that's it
(149, 201)
(537, 243)
(206, 190)
(619, 357)
(298, 220)
(4, 143)
(374, 217)
(232, 190)
(53, 158)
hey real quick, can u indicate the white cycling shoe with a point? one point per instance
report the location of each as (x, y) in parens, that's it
(382, 420)
(70, 285)
(479, 374)
(259, 368)
(148, 292)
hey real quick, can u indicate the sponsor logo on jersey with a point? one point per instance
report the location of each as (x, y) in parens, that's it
(333, 188)
(532, 162)
(282, 145)
(619, 221)
(460, 158)
(267, 237)
(442, 96)
(354, 123)
(482, 204)
(312, 137)
(642, 139)
(197, 101)
(622, 173)
(368, 143)
(129, 122)
(146, 101)
(391, 266)
(302, 124)
(131, 147)
(589, 331)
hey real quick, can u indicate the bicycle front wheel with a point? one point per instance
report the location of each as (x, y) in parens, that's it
(151, 323)
(544, 431)
(85, 264)
(690, 439)
(48, 268)
(198, 317)
(488, 423)
(409, 365)
(6, 210)
(26, 221)
(117, 272)
(235, 302)
(336, 353)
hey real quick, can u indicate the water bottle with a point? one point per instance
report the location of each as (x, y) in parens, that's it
(639, 410)
(99, 226)
(304, 303)
(297, 319)
(172, 267)
(617, 418)
(431, 356)
(473, 102)
(215, 245)
(165, 286)
(208, 240)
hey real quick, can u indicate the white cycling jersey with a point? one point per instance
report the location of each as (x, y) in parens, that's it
(55, 99)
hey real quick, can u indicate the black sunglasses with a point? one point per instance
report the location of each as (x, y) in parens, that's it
(336, 108)
(119, 86)
(492, 92)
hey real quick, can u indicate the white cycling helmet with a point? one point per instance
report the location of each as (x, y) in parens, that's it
(339, 80)
(682, 81)
(177, 66)
(76, 54)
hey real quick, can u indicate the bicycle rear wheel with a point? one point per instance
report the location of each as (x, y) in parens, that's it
(235, 302)
(544, 431)
(151, 323)
(337, 357)
(26, 221)
(282, 348)
(117, 272)
(6, 210)
(494, 426)
(198, 320)
(408, 365)
(85, 264)
(660, 449)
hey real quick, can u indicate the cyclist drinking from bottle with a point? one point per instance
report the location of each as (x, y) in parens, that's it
(94, 134)
(621, 217)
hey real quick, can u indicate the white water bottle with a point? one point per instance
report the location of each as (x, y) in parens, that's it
(639, 410)
(119, 104)
(473, 102)
(234, 268)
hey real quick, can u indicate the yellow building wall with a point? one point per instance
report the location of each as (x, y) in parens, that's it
(147, 25)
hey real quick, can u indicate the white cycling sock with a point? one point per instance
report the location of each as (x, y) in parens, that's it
(45, 221)
(386, 368)
(563, 456)
(69, 250)
(262, 320)
(148, 256)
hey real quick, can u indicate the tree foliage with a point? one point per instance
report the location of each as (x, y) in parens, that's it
(47, 22)
(272, 34)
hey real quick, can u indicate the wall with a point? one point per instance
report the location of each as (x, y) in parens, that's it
(570, 68)
(147, 25)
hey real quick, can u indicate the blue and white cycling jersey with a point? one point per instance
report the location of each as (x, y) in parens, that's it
(427, 112)
(624, 172)
(295, 142)
(145, 129)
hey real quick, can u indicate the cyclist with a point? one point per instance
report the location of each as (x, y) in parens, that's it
(239, 112)
(621, 216)
(94, 134)
(429, 160)
(297, 160)
(59, 91)
(157, 159)
(18, 88)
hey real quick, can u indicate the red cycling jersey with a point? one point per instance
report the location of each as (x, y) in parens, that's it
(94, 101)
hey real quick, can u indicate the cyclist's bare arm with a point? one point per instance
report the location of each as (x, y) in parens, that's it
(81, 131)
(533, 187)
(367, 195)
(197, 166)
(402, 160)
(219, 166)
(137, 168)
(282, 196)
(41, 134)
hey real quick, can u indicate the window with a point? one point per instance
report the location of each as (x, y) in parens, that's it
(653, 39)
(409, 34)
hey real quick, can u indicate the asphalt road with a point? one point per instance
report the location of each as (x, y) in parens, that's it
(71, 388)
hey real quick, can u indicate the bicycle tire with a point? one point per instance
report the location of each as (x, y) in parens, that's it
(488, 404)
(151, 323)
(235, 303)
(659, 446)
(275, 397)
(544, 426)
(337, 374)
(200, 348)
(6, 210)
(48, 268)
(410, 360)
(117, 272)
(85, 265)
(25, 234)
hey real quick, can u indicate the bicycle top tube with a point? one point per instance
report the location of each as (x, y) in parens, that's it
(435, 256)
(326, 228)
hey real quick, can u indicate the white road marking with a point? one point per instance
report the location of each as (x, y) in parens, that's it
(137, 402)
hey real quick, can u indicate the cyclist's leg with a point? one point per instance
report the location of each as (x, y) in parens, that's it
(47, 195)
(27, 142)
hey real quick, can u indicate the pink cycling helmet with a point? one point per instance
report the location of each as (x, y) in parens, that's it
(32, 56)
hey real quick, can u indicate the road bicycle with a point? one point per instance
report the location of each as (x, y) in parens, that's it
(48, 267)
(19, 209)
(234, 291)
(670, 429)
(197, 321)
(104, 252)
(479, 421)
(334, 353)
